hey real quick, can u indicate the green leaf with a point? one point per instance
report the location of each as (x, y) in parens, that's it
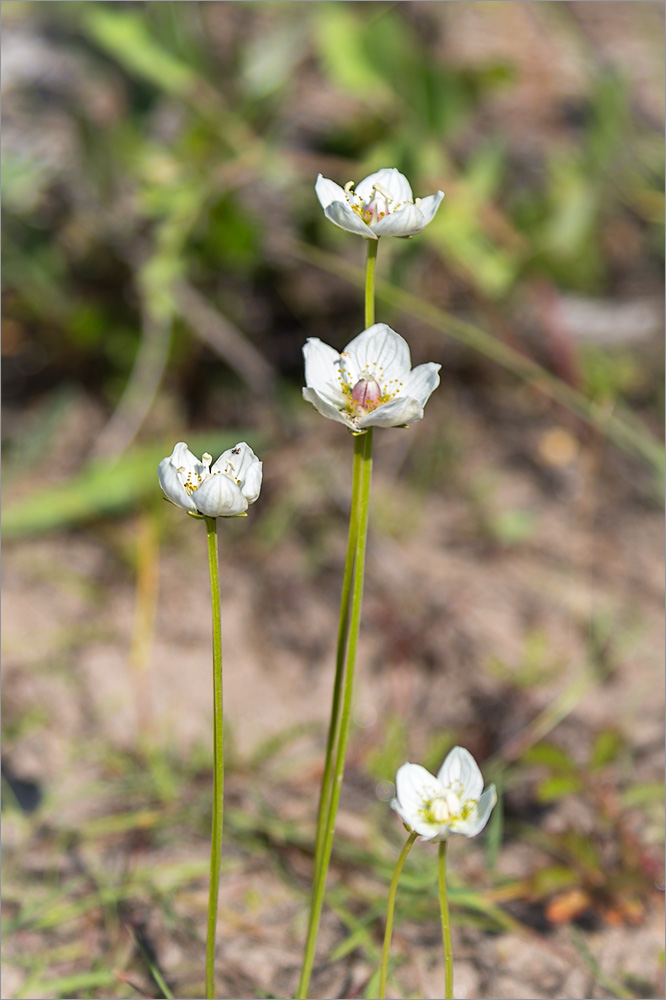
(606, 749)
(644, 794)
(126, 36)
(339, 39)
(552, 756)
(556, 788)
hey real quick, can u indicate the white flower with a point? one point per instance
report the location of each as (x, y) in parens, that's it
(381, 205)
(371, 384)
(451, 803)
(224, 490)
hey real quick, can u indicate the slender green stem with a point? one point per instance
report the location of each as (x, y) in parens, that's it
(338, 730)
(340, 657)
(373, 247)
(390, 910)
(446, 923)
(360, 511)
(218, 759)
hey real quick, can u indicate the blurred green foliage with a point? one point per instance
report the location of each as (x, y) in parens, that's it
(190, 155)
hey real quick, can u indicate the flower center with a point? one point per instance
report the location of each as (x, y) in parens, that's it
(192, 480)
(367, 394)
(442, 808)
(377, 207)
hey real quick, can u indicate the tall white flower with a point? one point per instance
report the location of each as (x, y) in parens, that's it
(371, 384)
(451, 803)
(382, 204)
(225, 489)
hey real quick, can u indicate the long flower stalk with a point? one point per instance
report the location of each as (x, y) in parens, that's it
(343, 624)
(446, 922)
(371, 263)
(345, 660)
(390, 910)
(218, 759)
(360, 511)
(340, 659)
(208, 490)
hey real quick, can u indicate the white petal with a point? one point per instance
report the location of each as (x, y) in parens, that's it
(251, 484)
(327, 409)
(395, 413)
(429, 206)
(414, 787)
(422, 382)
(406, 221)
(219, 496)
(402, 813)
(479, 816)
(328, 191)
(350, 368)
(241, 463)
(182, 457)
(427, 831)
(431, 831)
(391, 180)
(171, 485)
(461, 773)
(322, 371)
(236, 460)
(382, 354)
(341, 214)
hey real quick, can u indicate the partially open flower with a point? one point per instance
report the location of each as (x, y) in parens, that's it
(225, 489)
(371, 384)
(436, 808)
(382, 204)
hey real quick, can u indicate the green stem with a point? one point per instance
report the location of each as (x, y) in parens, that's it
(360, 511)
(390, 910)
(446, 923)
(340, 657)
(218, 759)
(373, 247)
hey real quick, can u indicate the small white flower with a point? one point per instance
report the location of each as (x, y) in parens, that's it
(451, 803)
(224, 490)
(371, 384)
(381, 205)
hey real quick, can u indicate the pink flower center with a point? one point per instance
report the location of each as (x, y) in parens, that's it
(367, 394)
(374, 210)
